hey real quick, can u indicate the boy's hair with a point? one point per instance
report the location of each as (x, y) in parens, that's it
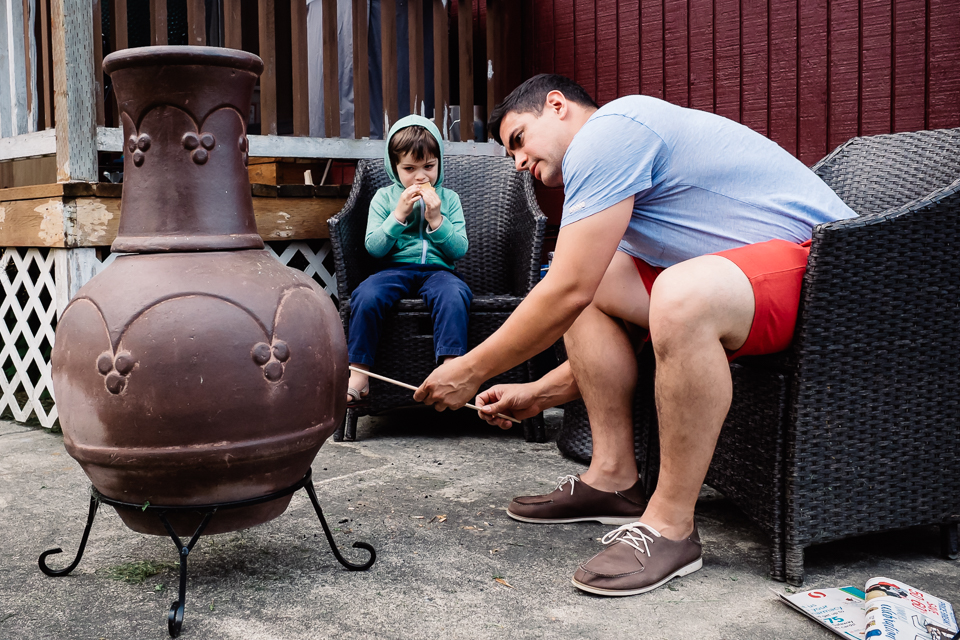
(415, 140)
(530, 97)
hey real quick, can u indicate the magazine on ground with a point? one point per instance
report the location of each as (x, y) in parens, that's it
(884, 610)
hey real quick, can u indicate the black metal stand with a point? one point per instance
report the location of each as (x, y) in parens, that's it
(175, 616)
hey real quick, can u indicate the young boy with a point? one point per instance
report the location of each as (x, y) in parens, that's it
(415, 227)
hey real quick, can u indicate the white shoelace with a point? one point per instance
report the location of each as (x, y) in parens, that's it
(633, 535)
(572, 479)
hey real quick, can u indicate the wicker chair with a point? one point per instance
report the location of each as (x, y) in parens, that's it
(505, 227)
(856, 427)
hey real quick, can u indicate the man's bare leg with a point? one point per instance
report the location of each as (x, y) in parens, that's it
(604, 364)
(698, 308)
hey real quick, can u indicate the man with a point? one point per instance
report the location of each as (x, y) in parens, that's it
(676, 221)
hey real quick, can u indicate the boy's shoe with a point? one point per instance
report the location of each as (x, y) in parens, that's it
(575, 501)
(638, 559)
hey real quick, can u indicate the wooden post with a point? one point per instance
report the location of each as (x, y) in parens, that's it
(494, 61)
(74, 99)
(98, 61)
(268, 79)
(196, 22)
(232, 34)
(298, 44)
(465, 23)
(361, 77)
(120, 32)
(158, 22)
(415, 48)
(331, 65)
(388, 59)
(441, 65)
(45, 66)
(27, 10)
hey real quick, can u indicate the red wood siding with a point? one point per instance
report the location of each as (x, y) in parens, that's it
(808, 73)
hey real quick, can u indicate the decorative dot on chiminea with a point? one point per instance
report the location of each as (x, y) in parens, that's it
(115, 369)
(271, 359)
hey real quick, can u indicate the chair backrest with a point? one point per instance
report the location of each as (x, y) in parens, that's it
(491, 191)
(876, 173)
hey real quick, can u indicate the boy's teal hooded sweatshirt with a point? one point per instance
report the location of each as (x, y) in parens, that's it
(413, 243)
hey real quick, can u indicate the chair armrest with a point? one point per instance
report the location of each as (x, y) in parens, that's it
(525, 242)
(348, 227)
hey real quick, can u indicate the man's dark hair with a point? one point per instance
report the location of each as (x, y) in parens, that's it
(530, 97)
(415, 140)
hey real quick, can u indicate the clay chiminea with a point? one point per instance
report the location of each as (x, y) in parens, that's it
(197, 369)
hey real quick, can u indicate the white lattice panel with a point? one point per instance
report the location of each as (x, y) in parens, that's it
(28, 311)
(313, 258)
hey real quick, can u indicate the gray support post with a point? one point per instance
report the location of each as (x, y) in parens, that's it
(73, 81)
(73, 268)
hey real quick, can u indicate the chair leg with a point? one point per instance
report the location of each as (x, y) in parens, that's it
(777, 571)
(350, 428)
(949, 540)
(535, 429)
(338, 434)
(794, 568)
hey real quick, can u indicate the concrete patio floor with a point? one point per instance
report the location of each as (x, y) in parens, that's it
(429, 491)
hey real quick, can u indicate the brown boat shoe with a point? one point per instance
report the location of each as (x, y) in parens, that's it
(575, 501)
(638, 560)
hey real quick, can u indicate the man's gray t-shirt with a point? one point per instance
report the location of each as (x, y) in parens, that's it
(701, 183)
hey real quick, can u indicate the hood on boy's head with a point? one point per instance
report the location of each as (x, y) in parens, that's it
(403, 123)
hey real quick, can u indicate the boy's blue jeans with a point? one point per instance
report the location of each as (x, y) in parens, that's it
(445, 294)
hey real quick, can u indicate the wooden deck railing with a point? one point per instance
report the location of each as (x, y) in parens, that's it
(279, 35)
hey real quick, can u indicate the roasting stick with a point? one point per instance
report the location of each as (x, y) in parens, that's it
(413, 388)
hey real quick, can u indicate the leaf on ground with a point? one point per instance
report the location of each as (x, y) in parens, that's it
(504, 582)
(439, 518)
(470, 528)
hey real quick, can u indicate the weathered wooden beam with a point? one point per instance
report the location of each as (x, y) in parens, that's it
(29, 145)
(465, 26)
(268, 79)
(196, 22)
(331, 80)
(28, 12)
(388, 61)
(361, 75)
(441, 64)
(58, 220)
(74, 99)
(158, 22)
(415, 57)
(301, 89)
(232, 34)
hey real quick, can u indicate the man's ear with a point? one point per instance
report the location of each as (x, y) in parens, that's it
(556, 102)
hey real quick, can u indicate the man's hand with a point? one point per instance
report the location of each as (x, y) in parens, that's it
(517, 400)
(450, 386)
(431, 207)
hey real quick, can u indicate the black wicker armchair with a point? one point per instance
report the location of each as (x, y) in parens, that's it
(856, 427)
(505, 228)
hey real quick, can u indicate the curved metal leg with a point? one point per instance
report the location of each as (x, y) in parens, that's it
(175, 616)
(333, 545)
(42, 561)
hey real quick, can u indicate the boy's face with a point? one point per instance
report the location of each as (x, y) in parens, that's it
(411, 171)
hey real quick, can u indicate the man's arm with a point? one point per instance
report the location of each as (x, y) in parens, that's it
(584, 250)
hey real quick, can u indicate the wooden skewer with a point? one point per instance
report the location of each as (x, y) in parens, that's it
(413, 388)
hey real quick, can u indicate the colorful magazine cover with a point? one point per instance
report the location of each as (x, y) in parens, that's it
(885, 610)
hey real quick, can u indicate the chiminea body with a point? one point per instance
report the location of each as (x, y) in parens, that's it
(195, 369)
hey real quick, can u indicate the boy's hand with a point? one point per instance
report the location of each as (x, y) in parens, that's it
(431, 207)
(408, 198)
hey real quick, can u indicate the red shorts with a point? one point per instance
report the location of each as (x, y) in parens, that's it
(775, 269)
